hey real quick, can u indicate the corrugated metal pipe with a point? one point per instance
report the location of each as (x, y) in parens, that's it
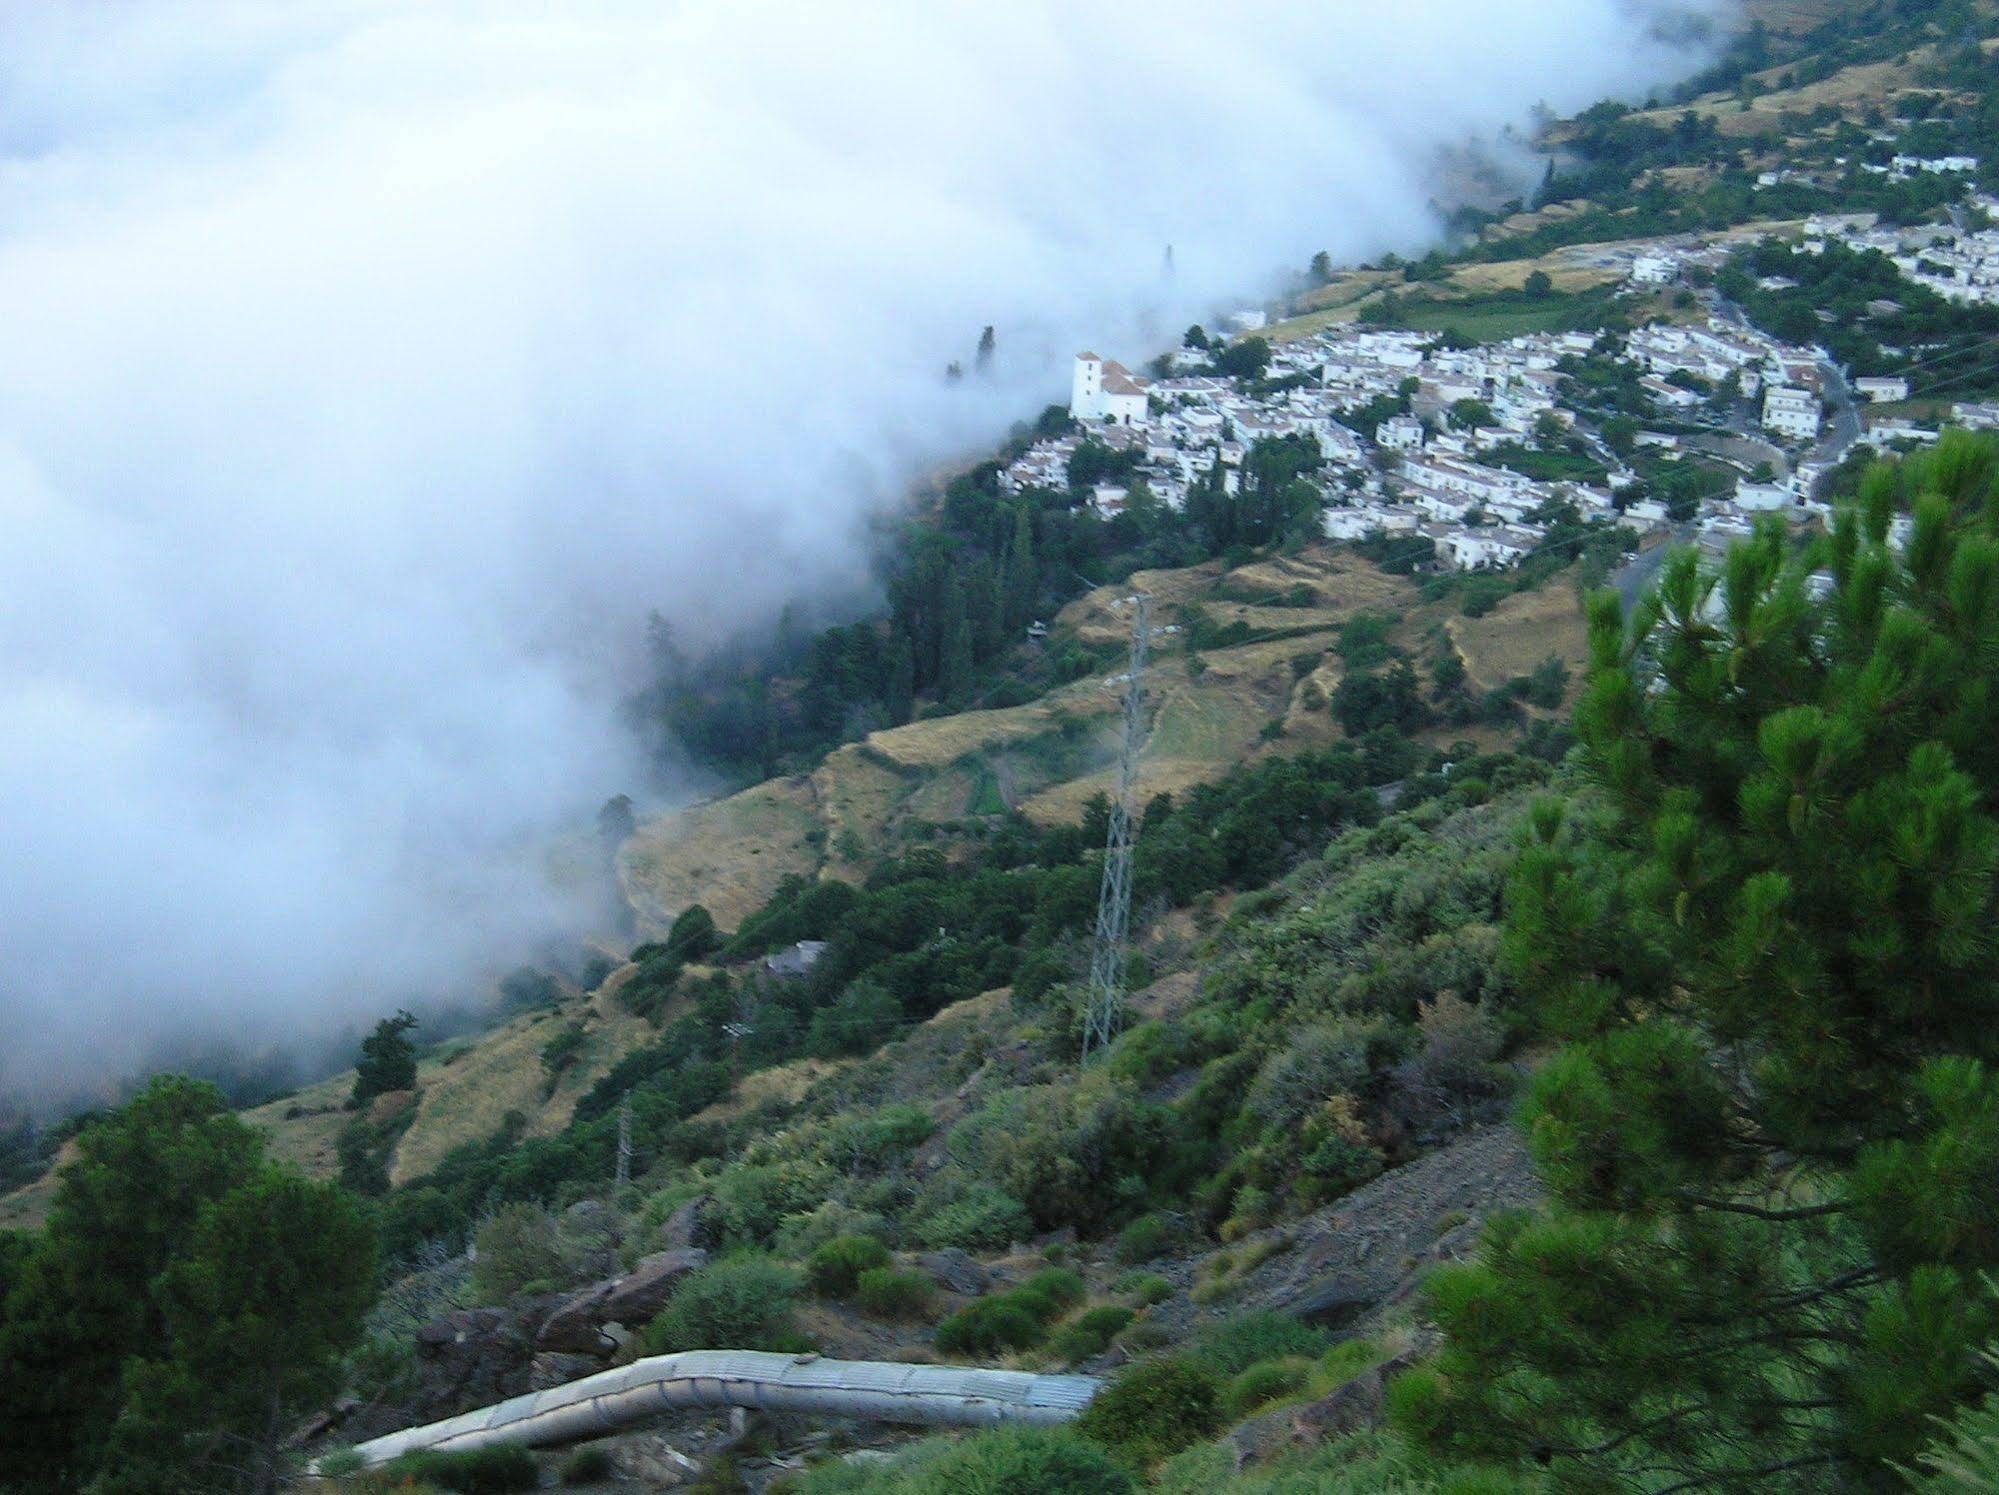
(864, 1390)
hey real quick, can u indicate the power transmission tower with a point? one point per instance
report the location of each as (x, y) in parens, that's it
(625, 1140)
(1105, 1013)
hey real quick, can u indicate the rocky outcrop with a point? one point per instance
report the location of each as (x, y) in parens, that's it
(1356, 1406)
(682, 1229)
(1335, 1302)
(956, 1272)
(1369, 1250)
(581, 1323)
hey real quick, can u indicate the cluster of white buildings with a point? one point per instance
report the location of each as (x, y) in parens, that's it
(1413, 474)
(1901, 168)
(1786, 376)
(1179, 427)
(1960, 267)
(1410, 475)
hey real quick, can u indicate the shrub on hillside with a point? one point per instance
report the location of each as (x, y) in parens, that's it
(1023, 1461)
(1016, 1319)
(742, 1302)
(981, 1218)
(518, 1249)
(800, 1235)
(1265, 1382)
(1154, 1408)
(747, 1201)
(477, 1471)
(835, 1267)
(1079, 1154)
(587, 1466)
(1005, 1461)
(994, 1325)
(1062, 1288)
(1143, 1239)
(890, 1293)
(1090, 1333)
(1144, 1288)
(1232, 1347)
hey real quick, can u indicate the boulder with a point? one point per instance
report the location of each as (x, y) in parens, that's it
(466, 1359)
(549, 1368)
(683, 1227)
(634, 1298)
(572, 1328)
(1355, 1406)
(954, 1270)
(576, 1327)
(1334, 1302)
(466, 1326)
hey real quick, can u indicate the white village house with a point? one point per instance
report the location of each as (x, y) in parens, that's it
(1792, 412)
(1881, 389)
(1104, 390)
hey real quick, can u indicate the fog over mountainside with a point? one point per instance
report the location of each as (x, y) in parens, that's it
(371, 369)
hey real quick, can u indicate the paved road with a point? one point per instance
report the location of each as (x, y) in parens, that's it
(1843, 430)
(1638, 573)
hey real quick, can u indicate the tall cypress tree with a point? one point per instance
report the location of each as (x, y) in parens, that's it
(1766, 931)
(901, 680)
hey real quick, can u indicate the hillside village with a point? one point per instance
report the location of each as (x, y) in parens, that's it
(1455, 465)
(820, 1099)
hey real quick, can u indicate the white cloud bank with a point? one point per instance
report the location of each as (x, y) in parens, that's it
(368, 370)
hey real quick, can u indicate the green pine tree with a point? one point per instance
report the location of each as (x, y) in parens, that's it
(82, 1302)
(901, 680)
(1766, 930)
(269, 1296)
(388, 1060)
(1022, 577)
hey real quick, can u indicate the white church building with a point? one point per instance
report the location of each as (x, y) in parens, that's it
(1103, 390)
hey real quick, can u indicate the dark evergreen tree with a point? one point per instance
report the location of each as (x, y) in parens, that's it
(269, 1295)
(388, 1059)
(1768, 931)
(83, 1302)
(901, 680)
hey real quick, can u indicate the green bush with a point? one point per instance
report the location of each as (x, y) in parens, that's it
(1004, 1461)
(1081, 1154)
(1233, 1347)
(742, 1302)
(1060, 1286)
(518, 1247)
(1024, 1461)
(477, 1471)
(982, 1218)
(1146, 1288)
(1154, 1409)
(1016, 1319)
(1144, 1239)
(993, 1325)
(1090, 1333)
(802, 1234)
(890, 1293)
(1265, 1382)
(1368, 1463)
(835, 1267)
(747, 1201)
(586, 1466)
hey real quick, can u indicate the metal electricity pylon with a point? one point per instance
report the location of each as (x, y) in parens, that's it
(625, 1140)
(1105, 1013)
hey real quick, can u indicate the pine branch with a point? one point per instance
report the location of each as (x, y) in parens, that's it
(1737, 1476)
(1757, 1212)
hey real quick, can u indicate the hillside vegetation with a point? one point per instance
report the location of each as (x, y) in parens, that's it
(1558, 1052)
